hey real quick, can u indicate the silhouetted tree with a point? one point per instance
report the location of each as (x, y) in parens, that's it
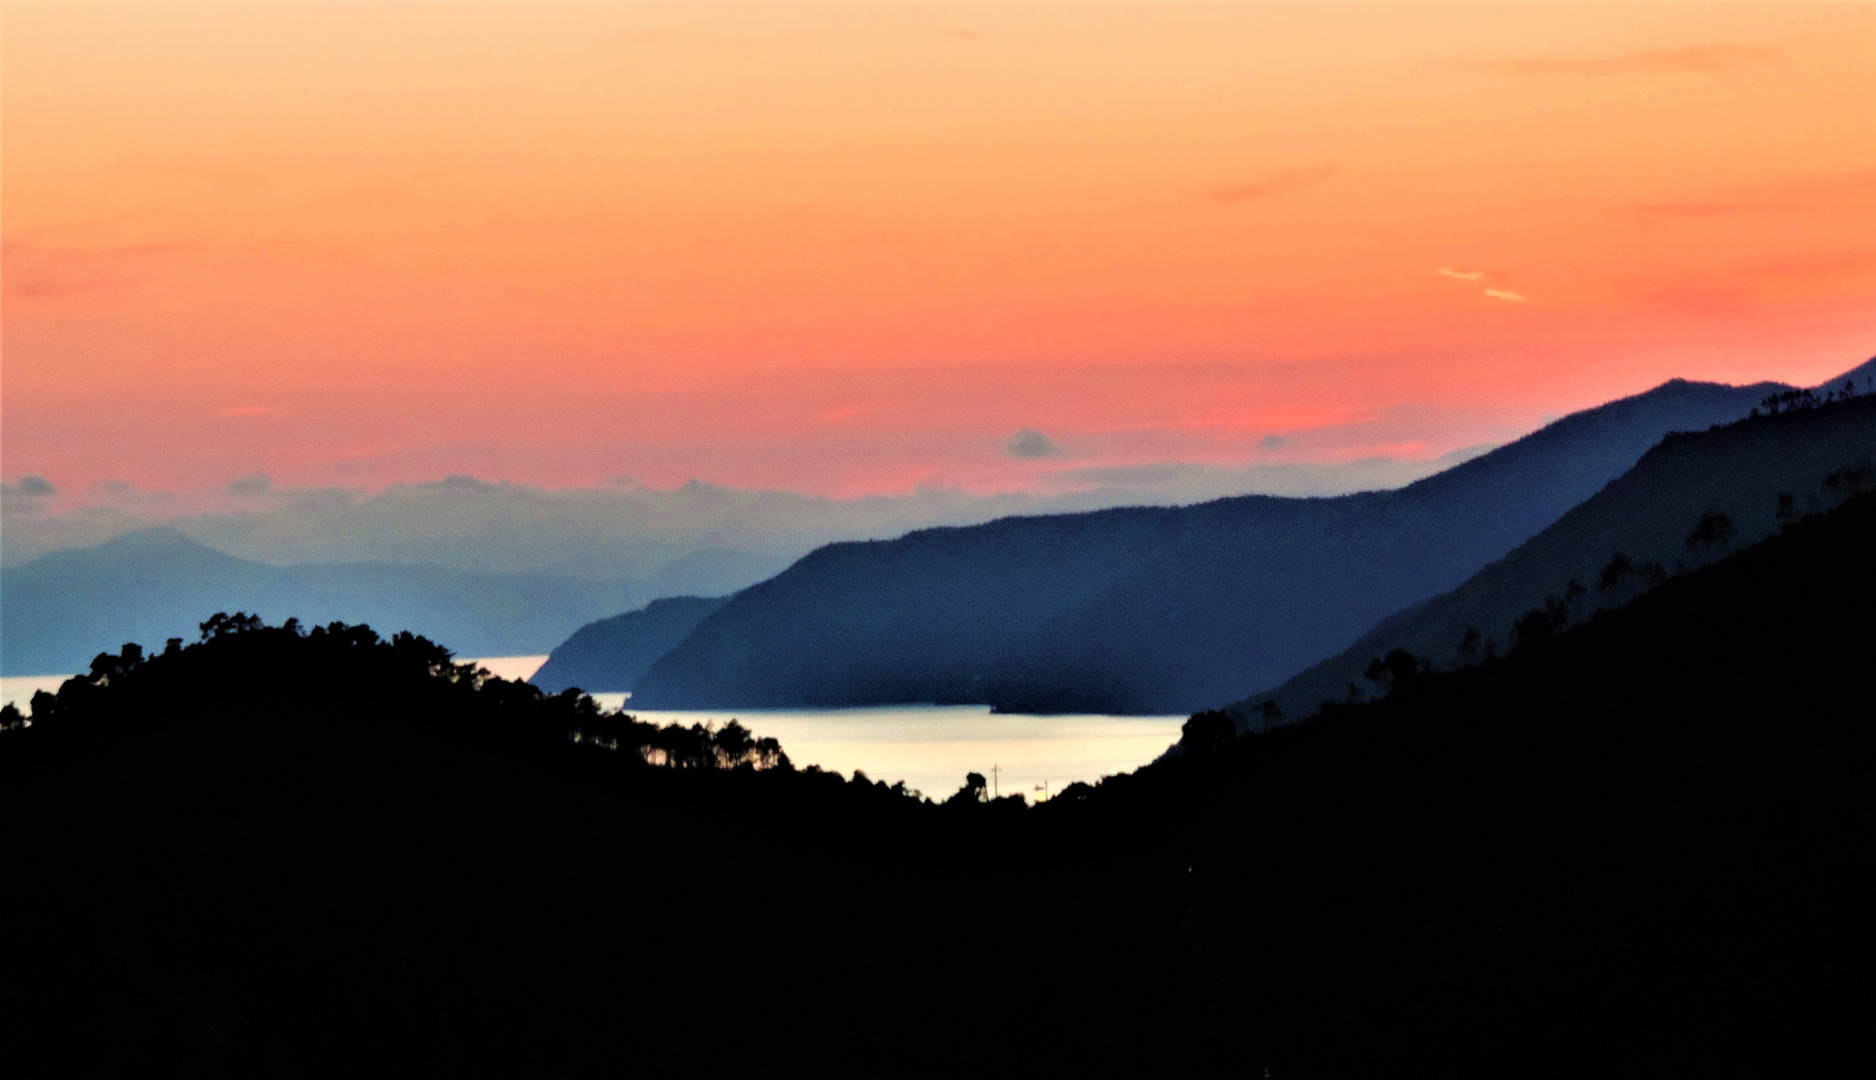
(10, 717)
(1396, 671)
(221, 623)
(971, 793)
(1573, 594)
(1615, 573)
(1790, 401)
(1851, 480)
(1470, 642)
(734, 745)
(1713, 530)
(1207, 731)
(769, 755)
(1535, 627)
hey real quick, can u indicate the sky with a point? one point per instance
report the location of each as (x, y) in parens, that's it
(879, 249)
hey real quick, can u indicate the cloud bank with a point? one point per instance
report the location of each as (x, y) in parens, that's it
(696, 538)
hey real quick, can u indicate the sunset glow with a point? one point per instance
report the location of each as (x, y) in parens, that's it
(856, 248)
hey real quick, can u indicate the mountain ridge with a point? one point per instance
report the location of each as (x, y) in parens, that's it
(609, 655)
(1104, 611)
(1757, 473)
(62, 608)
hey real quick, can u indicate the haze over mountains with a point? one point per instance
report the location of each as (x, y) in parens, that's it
(1149, 610)
(64, 608)
(1133, 610)
(629, 544)
(1757, 475)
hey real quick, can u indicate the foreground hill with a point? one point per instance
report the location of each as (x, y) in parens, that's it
(1642, 848)
(59, 610)
(1755, 475)
(1646, 848)
(1148, 610)
(276, 853)
(611, 654)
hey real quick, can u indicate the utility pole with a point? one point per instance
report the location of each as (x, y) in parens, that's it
(993, 781)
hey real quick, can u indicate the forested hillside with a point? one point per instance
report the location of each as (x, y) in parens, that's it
(1693, 499)
(1640, 847)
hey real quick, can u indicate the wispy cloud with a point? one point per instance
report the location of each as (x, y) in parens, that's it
(249, 486)
(1686, 60)
(1478, 276)
(1281, 183)
(1030, 443)
(28, 496)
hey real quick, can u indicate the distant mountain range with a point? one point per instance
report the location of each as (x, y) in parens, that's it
(609, 655)
(61, 609)
(1755, 475)
(1150, 610)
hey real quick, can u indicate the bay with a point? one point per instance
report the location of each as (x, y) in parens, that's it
(929, 747)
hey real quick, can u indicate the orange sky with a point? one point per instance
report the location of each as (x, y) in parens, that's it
(854, 248)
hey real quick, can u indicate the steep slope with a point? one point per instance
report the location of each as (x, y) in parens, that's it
(60, 610)
(1756, 473)
(1149, 610)
(611, 654)
(1640, 849)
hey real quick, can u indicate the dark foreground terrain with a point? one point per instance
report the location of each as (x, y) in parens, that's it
(1641, 848)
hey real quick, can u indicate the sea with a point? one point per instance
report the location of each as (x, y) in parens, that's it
(931, 748)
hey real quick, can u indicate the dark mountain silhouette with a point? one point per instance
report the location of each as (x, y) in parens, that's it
(609, 655)
(59, 610)
(1637, 848)
(290, 853)
(1753, 475)
(1149, 610)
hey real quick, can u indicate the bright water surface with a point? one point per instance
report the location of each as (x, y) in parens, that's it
(929, 747)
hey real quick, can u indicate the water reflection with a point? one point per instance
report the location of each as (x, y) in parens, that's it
(932, 747)
(929, 747)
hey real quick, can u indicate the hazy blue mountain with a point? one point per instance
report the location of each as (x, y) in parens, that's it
(61, 609)
(1814, 458)
(609, 655)
(1150, 610)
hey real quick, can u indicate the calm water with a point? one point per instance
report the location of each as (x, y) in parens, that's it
(928, 747)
